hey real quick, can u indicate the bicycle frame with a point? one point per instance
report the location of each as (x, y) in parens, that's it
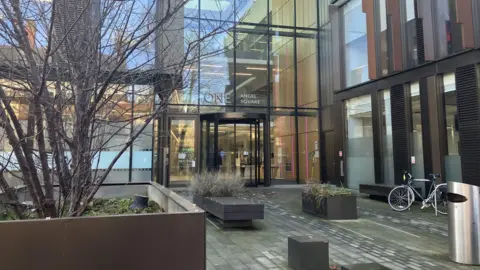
(430, 191)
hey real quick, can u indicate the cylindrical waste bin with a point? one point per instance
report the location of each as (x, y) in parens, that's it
(464, 222)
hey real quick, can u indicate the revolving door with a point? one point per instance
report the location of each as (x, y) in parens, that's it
(236, 143)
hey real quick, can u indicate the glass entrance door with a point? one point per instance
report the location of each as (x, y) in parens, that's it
(234, 146)
(182, 150)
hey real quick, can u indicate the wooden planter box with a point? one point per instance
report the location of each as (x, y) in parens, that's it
(122, 242)
(335, 207)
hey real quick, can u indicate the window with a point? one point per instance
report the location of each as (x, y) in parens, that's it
(360, 158)
(355, 38)
(453, 167)
(387, 139)
(416, 138)
(411, 33)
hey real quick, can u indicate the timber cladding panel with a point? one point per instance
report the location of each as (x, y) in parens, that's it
(469, 122)
(399, 131)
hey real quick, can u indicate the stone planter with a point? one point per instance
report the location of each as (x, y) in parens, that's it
(121, 242)
(334, 207)
(198, 200)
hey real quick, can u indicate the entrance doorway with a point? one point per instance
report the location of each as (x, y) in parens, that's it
(236, 143)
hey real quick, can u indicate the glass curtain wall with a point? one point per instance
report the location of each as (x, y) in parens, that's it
(258, 56)
(359, 135)
(453, 166)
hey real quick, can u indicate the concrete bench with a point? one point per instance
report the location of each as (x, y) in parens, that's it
(233, 212)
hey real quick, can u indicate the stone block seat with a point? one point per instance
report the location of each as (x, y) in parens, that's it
(308, 253)
(233, 212)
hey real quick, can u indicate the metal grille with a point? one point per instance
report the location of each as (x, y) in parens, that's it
(468, 122)
(399, 131)
(420, 41)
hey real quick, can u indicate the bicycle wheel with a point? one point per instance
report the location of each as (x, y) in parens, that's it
(401, 198)
(442, 203)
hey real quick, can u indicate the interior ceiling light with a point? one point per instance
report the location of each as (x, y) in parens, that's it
(243, 74)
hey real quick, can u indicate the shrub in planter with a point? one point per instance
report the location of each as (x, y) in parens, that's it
(215, 184)
(329, 202)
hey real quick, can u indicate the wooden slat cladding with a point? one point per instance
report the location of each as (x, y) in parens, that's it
(393, 10)
(426, 16)
(468, 122)
(399, 131)
(368, 7)
(465, 19)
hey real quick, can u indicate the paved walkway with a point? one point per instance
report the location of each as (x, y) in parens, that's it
(408, 240)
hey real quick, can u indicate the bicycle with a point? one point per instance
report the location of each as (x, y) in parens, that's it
(402, 197)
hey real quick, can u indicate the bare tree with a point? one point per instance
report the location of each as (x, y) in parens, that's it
(67, 68)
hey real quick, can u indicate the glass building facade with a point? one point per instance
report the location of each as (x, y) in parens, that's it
(257, 57)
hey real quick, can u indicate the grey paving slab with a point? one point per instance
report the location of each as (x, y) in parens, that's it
(408, 240)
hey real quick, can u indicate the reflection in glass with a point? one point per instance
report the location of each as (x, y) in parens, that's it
(411, 33)
(360, 158)
(387, 140)
(443, 28)
(383, 36)
(182, 150)
(283, 147)
(356, 50)
(309, 153)
(142, 147)
(282, 71)
(282, 12)
(453, 167)
(306, 13)
(251, 68)
(307, 73)
(418, 170)
(217, 10)
(216, 68)
(252, 11)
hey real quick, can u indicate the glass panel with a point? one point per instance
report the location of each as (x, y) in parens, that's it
(251, 67)
(307, 72)
(142, 147)
(216, 68)
(356, 50)
(283, 147)
(382, 36)
(182, 150)
(418, 170)
(190, 9)
(306, 13)
(188, 94)
(443, 28)
(213, 109)
(282, 12)
(411, 32)
(453, 166)
(282, 70)
(252, 11)
(360, 158)
(226, 148)
(387, 140)
(217, 10)
(182, 109)
(309, 155)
